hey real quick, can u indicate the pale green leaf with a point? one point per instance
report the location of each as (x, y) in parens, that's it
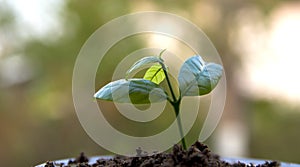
(198, 78)
(155, 74)
(142, 63)
(135, 91)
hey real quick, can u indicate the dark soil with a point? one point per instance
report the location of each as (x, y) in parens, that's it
(198, 155)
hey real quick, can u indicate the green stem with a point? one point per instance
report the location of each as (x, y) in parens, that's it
(168, 81)
(176, 105)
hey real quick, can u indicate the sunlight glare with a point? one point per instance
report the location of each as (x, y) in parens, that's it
(37, 17)
(272, 56)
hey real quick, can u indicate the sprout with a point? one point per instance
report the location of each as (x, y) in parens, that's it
(196, 78)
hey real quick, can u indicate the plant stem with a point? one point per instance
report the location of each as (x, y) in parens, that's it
(176, 105)
(168, 81)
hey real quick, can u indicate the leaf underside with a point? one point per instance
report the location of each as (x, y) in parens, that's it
(135, 91)
(142, 63)
(198, 78)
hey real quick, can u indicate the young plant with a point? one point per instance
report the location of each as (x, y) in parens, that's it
(195, 78)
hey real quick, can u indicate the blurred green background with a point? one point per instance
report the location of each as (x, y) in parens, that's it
(39, 41)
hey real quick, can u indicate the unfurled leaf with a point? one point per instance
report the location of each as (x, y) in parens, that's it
(198, 78)
(135, 91)
(155, 74)
(144, 62)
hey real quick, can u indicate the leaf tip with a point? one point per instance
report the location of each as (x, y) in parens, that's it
(94, 98)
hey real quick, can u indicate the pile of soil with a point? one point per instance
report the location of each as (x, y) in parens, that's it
(197, 155)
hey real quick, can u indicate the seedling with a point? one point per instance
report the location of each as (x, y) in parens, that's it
(196, 78)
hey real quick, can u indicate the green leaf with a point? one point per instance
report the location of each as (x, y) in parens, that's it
(198, 78)
(155, 74)
(144, 62)
(135, 91)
